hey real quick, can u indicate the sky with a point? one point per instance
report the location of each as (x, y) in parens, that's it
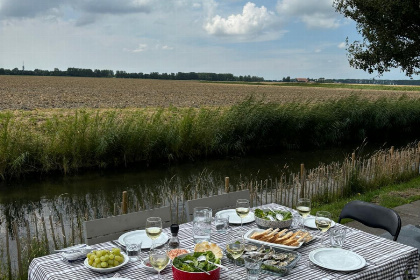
(266, 38)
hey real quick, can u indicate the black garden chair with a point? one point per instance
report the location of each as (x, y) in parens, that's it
(373, 215)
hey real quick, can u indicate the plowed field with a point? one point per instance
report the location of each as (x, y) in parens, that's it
(28, 93)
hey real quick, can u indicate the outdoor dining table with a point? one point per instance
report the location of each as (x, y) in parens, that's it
(386, 259)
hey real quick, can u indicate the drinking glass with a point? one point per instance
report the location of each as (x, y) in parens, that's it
(159, 259)
(253, 267)
(133, 247)
(323, 222)
(338, 237)
(235, 246)
(221, 222)
(303, 206)
(202, 224)
(242, 209)
(153, 228)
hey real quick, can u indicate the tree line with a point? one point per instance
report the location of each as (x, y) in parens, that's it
(81, 72)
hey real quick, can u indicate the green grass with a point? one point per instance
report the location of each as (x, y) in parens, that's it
(334, 86)
(389, 196)
(66, 142)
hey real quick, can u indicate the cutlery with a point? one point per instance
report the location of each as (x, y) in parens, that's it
(197, 267)
(203, 258)
(279, 217)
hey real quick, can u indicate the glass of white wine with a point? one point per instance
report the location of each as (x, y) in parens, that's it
(159, 259)
(242, 209)
(303, 206)
(323, 222)
(235, 246)
(153, 228)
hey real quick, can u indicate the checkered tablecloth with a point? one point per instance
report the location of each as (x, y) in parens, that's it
(385, 258)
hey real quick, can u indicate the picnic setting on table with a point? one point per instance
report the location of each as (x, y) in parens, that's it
(270, 241)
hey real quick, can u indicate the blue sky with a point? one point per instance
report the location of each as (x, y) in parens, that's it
(268, 38)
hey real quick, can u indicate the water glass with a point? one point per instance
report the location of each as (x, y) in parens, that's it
(133, 247)
(337, 237)
(253, 267)
(202, 224)
(221, 222)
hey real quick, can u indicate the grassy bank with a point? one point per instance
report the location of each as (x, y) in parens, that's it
(50, 140)
(333, 86)
(388, 196)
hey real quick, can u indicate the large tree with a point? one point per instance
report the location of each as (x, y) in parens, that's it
(391, 34)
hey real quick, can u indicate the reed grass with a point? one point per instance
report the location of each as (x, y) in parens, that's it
(56, 141)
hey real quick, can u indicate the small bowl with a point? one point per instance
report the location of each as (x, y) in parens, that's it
(108, 269)
(263, 223)
(185, 275)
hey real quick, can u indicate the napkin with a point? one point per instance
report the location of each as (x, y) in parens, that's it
(76, 253)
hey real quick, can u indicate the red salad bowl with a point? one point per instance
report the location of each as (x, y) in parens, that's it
(185, 275)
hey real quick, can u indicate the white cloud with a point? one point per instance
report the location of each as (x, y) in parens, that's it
(167, 48)
(314, 13)
(141, 48)
(342, 45)
(252, 22)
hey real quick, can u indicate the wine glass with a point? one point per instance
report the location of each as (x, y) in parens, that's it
(159, 259)
(153, 228)
(323, 222)
(303, 206)
(235, 246)
(242, 209)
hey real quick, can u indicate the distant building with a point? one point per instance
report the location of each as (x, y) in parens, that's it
(302, 80)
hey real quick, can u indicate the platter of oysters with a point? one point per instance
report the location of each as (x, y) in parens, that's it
(275, 261)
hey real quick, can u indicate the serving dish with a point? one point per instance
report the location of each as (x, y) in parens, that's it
(277, 262)
(337, 259)
(108, 269)
(265, 224)
(234, 218)
(250, 233)
(185, 275)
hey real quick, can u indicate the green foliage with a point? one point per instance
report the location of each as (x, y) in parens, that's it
(391, 32)
(100, 139)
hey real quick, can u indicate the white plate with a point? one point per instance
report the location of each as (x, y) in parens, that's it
(248, 235)
(310, 222)
(107, 270)
(234, 218)
(337, 259)
(146, 241)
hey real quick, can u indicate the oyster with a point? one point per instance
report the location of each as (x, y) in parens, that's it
(270, 262)
(280, 257)
(250, 248)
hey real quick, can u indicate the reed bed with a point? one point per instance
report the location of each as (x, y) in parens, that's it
(66, 142)
(38, 232)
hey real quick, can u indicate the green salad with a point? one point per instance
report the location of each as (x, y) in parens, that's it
(263, 214)
(180, 262)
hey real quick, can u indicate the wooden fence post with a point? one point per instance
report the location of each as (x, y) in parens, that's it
(9, 263)
(52, 232)
(28, 236)
(302, 180)
(18, 248)
(45, 233)
(124, 202)
(226, 184)
(63, 231)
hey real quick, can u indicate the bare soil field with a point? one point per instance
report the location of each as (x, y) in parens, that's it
(29, 93)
